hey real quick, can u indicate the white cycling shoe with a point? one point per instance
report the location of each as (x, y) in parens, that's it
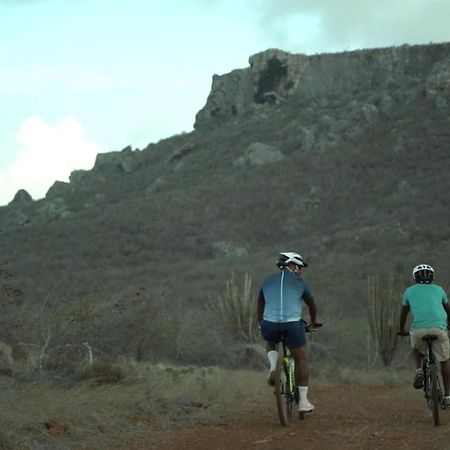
(446, 402)
(305, 406)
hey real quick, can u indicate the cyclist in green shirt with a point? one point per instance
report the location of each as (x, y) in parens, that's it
(430, 310)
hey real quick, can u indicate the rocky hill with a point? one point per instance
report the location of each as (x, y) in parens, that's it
(342, 157)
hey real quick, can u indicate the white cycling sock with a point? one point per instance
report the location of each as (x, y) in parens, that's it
(303, 393)
(273, 358)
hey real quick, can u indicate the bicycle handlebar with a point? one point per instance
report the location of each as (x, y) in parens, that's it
(310, 328)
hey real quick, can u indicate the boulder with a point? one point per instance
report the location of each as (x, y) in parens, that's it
(258, 153)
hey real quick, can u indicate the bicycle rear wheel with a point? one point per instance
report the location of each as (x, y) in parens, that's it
(434, 401)
(288, 393)
(432, 393)
(283, 394)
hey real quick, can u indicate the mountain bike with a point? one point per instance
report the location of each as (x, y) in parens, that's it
(286, 392)
(431, 386)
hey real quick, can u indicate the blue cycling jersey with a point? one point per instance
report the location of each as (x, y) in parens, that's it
(283, 293)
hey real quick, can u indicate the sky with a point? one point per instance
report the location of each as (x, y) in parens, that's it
(82, 77)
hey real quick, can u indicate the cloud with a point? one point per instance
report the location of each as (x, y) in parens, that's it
(47, 153)
(350, 24)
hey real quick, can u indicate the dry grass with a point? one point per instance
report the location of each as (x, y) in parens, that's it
(95, 415)
(150, 397)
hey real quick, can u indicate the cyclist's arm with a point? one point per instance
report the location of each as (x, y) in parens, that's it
(403, 316)
(260, 307)
(447, 310)
(312, 306)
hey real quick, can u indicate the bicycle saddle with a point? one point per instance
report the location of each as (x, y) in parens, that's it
(430, 337)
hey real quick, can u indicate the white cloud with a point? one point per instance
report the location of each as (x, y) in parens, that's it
(349, 24)
(47, 153)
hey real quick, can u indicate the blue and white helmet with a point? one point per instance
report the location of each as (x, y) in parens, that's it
(285, 258)
(423, 273)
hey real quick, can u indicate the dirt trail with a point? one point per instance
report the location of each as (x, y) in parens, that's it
(375, 417)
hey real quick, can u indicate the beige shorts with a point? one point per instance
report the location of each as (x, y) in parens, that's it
(441, 347)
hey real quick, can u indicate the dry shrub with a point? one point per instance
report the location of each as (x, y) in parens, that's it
(384, 315)
(238, 309)
(102, 372)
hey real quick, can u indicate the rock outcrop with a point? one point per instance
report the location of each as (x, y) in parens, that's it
(22, 197)
(275, 75)
(126, 160)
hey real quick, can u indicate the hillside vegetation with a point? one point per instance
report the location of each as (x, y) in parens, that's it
(129, 257)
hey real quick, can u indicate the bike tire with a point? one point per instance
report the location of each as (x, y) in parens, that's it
(435, 402)
(288, 392)
(280, 386)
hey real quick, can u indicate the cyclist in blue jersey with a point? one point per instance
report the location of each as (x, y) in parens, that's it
(428, 303)
(280, 312)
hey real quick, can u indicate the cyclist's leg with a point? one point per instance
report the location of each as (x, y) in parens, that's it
(441, 350)
(272, 356)
(418, 350)
(301, 365)
(441, 353)
(418, 347)
(302, 378)
(445, 371)
(418, 358)
(271, 334)
(296, 341)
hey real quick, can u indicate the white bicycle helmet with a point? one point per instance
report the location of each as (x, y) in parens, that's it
(285, 258)
(423, 273)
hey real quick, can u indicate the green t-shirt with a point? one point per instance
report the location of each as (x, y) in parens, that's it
(425, 301)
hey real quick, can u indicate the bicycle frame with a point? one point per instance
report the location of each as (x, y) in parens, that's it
(289, 369)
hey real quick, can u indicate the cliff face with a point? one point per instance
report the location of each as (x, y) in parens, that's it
(275, 75)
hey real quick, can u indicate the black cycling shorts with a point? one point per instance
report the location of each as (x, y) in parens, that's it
(294, 332)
